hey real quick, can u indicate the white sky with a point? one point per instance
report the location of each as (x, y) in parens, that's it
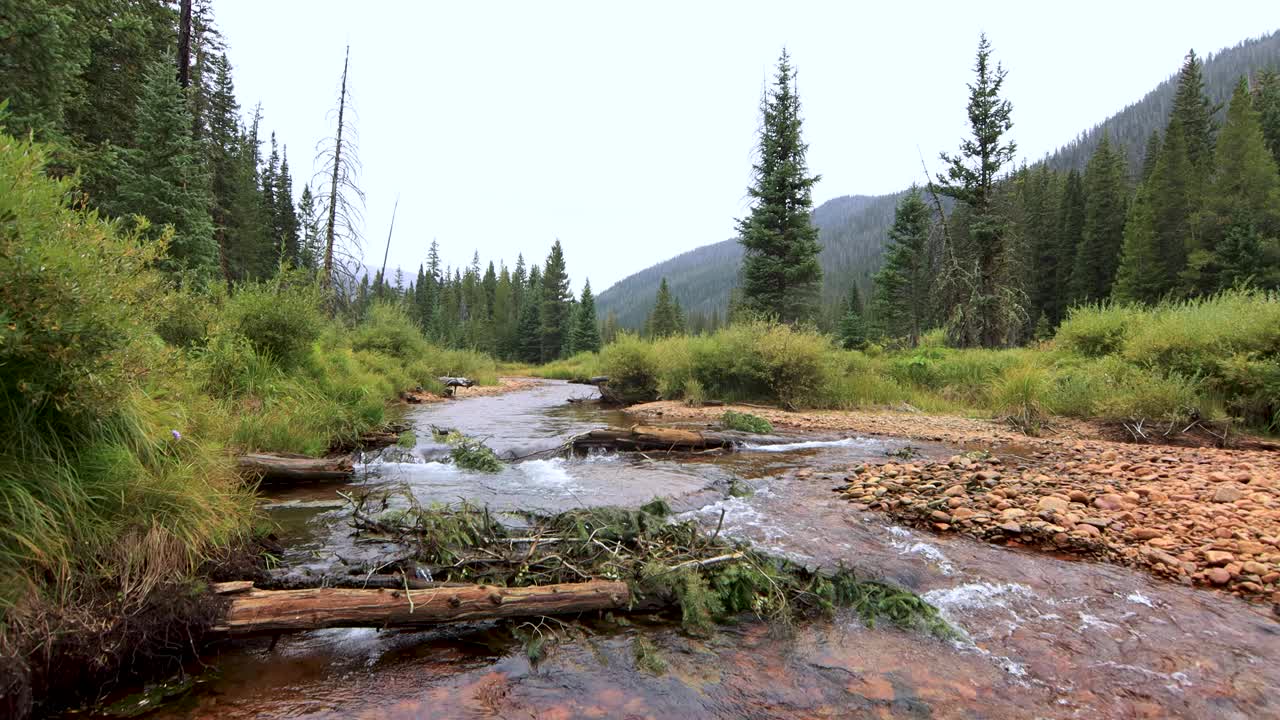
(626, 130)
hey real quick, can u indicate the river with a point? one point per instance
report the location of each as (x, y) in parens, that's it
(1045, 637)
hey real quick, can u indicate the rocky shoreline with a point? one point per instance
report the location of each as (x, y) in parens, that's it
(1202, 516)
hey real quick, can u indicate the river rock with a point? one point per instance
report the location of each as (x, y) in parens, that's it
(940, 516)
(1088, 530)
(1079, 496)
(954, 491)
(1011, 527)
(1050, 503)
(1227, 493)
(1110, 501)
(1013, 514)
(1218, 557)
(1146, 533)
(1218, 576)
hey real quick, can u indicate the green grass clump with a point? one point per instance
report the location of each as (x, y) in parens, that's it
(745, 422)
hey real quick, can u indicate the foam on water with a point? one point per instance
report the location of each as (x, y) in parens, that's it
(547, 473)
(789, 447)
(978, 596)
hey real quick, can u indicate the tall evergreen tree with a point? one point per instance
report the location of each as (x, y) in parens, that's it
(311, 249)
(1070, 236)
(1142, 275)
(529, 326)
(586, 333)
(853, 325)
(164, 178)
(904, 284)
(984, 310)
(1106, 194)
(1173, 197)
(665, 320)
(1037, 190)
(1149, 155)
(780, 271)
(555, 297)
(1193, 113)
(286, 222)
(1267, 102)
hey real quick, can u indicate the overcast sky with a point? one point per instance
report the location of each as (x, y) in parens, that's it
(626, 131)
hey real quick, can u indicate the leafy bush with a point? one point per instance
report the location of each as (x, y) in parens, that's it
(388, 329)
(745, 422)
(280, 318)
(1097, 330)
(632, 368)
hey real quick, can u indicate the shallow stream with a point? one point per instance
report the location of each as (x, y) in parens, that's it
(1045, 637)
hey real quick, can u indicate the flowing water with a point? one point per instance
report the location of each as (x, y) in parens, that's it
(1045, 637)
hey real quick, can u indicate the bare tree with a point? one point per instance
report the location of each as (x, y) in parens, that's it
(343, 206)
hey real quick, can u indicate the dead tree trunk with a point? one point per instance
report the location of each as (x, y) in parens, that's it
(272, 611)
(294, 468)
(184, 44)
(337, 169)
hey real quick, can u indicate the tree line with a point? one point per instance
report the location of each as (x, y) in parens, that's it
(996, 254)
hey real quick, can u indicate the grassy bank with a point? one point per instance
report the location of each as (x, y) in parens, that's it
(1212, 358)
(124, 397)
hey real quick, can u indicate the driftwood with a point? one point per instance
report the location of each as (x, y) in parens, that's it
(643, 437)
(294, 468)
(273, 611)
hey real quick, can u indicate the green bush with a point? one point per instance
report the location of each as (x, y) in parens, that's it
(388, 329)
(745, 422)
(280, 318)
(632, 368)
(1097, 330)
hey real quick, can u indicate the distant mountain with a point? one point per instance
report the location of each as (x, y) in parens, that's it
(852, 228)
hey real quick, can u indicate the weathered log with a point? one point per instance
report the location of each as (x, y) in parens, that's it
(273, 611)
(452, 382)
(595, 380)
(642, 437)
(294, 468)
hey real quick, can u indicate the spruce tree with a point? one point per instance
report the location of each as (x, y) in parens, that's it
(904, 284)
(665, 320)
(163, 177)
(1149, 155)
(1038, 193)
(1243, 202)
(1106, 196)
(1142, 275)
(853, 325)
(529, 326)
(286, 222)
(555, 297)
(781, 276)
(586, 334)
(985, 310)
(310, 247)
(1173, 196)
(1267, 102)
(1193, 113)
(1070, 236)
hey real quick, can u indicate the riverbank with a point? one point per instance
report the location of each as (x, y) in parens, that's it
(1202, 516)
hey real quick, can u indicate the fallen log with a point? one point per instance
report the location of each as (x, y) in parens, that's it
(595, 380)
(267, 467)
(643, 437)
(274, 611)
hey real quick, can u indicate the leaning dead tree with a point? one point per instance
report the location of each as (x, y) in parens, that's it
(343, 205)
(267, 467)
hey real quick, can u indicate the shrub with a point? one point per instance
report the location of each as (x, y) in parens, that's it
(388, 329)
(745, 422)
(1019, 396)
(280, 318)
(1097, 330)
(632, 369)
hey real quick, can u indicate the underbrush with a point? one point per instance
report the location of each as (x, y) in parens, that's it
(1184, 362)
(124, 395)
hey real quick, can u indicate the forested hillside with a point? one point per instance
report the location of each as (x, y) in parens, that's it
(853, 229)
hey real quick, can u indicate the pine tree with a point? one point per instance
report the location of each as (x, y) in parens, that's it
(665, 320)
(984, 309)
(286, 223)
(1150, 154)
(1193, 113)
(311, 249)
(853, 325)
(1172, 194)
(1038, 192)
(780, 271)
(1267, 102)
(1243, 202)
(163, 178)
(555, 297)
(1142, 275)
(1070, 237)
(529, 326)
(586, 334)
(1106, 196)
(904, 284)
